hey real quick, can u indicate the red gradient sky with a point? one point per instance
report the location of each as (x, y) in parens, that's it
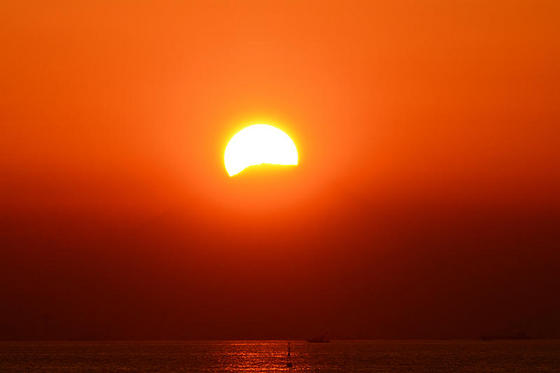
(426, 202)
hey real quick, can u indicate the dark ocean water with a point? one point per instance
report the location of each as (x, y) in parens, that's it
(270, 356)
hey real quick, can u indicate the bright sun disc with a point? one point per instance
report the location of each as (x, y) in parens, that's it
(259, 144)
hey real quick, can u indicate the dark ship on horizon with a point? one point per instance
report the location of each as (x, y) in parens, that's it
(517, 335)
(319, 339)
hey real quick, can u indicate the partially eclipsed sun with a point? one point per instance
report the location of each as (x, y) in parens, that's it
(259, 144)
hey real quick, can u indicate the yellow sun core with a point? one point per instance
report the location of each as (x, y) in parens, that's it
(259, 144)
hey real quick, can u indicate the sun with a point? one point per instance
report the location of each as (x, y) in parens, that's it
(259, 144)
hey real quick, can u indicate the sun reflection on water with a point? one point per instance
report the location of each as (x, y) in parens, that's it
(264, 356)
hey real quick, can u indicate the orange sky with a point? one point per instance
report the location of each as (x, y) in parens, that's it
(408, 116)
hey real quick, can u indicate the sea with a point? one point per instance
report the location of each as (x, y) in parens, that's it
(272, 356)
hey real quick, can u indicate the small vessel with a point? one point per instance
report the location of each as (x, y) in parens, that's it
(319, 339)
(521, 335)
(289, 363)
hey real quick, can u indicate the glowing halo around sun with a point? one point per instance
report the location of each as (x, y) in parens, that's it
(259, 144)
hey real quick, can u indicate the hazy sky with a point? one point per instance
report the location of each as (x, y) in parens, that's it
(426, 202)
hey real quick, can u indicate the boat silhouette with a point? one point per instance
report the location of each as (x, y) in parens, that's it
(319, 339)
(289, 363)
